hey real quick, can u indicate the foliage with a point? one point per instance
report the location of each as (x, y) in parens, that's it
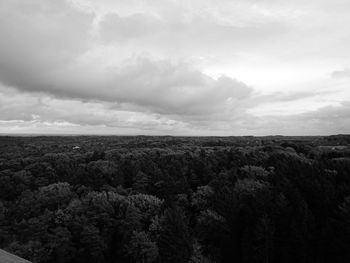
(184, 199)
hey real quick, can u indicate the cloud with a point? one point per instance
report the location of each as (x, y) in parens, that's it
(341, 74)
(28, 112)
(323, 121)
(38, 38)
(31, 110)
(45, 45)
(157, 86)
(116, 28)
(179, 66)
(194, 36)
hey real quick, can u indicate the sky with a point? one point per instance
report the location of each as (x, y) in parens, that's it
(175, 67)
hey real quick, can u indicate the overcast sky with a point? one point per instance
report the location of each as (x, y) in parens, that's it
(177, 67)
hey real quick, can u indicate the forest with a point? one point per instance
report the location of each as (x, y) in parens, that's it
(104, 199)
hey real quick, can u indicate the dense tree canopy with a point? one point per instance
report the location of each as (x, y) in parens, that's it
(175, 199)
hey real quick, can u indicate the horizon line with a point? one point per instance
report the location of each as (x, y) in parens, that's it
(149, 135)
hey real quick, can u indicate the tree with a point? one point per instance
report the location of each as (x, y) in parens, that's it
(92, 245)
(174, 242)
(141, 248)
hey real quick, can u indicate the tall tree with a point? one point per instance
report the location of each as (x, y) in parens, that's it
(174, 242)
